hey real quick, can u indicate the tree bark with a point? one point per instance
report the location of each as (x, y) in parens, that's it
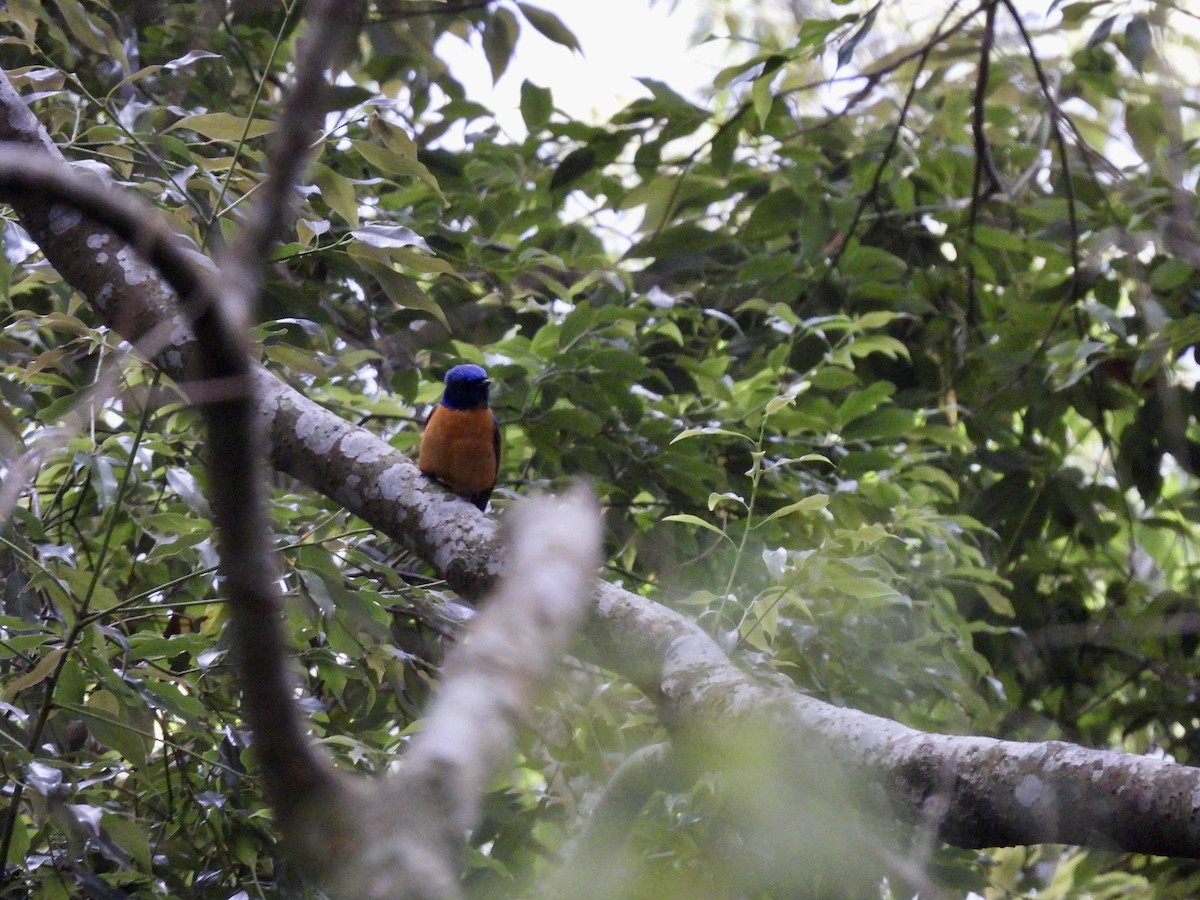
(969, 791)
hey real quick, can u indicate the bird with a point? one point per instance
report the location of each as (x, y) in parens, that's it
(460, 444)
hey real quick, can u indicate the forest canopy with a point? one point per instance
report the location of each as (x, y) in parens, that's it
(877, 353)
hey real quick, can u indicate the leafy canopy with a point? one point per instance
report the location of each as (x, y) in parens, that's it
(895, 398)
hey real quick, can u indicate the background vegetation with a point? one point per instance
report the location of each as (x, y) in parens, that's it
(894, 393)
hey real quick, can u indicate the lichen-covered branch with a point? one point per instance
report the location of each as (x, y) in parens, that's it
(415, 824)
(970, 791)
(293, 767)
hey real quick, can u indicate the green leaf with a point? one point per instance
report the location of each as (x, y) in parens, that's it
(130, 837)
(996, 601)
(396, 163)
(573, 166)
(987, 236)
(808, 504)
(688, 519)
(389, 237)
(776, 214)
(708, 429)
(878, 343)
(536, 106)
(401, 289)
(761, 98)
(338, 193)
(1147, 127)
(223, 126)
(39, 673)
(886, 424)
(91, 31)
(499, 40)
(859, 403)
(761, 624)
(1169, 274)
(775, 404)
(1074, 13)
(19, 844)
(877, 319)
(1138, 42)
(115, 725)
(550, 26)
(716, 499)
(671, 101)
(861, 587)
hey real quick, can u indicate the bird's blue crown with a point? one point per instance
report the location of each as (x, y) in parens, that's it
(466, 387)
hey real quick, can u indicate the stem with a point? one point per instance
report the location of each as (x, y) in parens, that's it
(755, 477)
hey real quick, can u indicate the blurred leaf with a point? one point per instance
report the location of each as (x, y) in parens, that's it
(536, 105)
(808, 504)
(550, 26)
(688, 519)
(223, 126)
(1102, 31)
(499, 40)
(1138, 42)
(846, 51)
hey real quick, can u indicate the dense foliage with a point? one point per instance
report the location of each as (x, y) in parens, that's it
(896, 399)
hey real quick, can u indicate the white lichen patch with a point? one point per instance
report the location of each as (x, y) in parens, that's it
(135, 272)
(98, 239)
(364, 447)
(181, 332)
(317, 431)
(1029, 790)
(394, 481)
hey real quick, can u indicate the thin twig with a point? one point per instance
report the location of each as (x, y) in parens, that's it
(873, 191)
(1057, 117)
(330, 25)
(984, 166)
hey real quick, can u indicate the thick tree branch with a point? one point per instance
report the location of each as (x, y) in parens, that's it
(416, 823)
(522, 632)
(976, 791)
(293, 767)
(973, 791)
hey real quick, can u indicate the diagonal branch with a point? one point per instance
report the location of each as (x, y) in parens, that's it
(975, 791)
(985, 166)
(291, 762)
(418, 820)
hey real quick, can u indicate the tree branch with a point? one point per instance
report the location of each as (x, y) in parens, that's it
(978, 791)
(293, 767)
(412, 828)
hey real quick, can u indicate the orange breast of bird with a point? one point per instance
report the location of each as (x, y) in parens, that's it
(458, 448)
